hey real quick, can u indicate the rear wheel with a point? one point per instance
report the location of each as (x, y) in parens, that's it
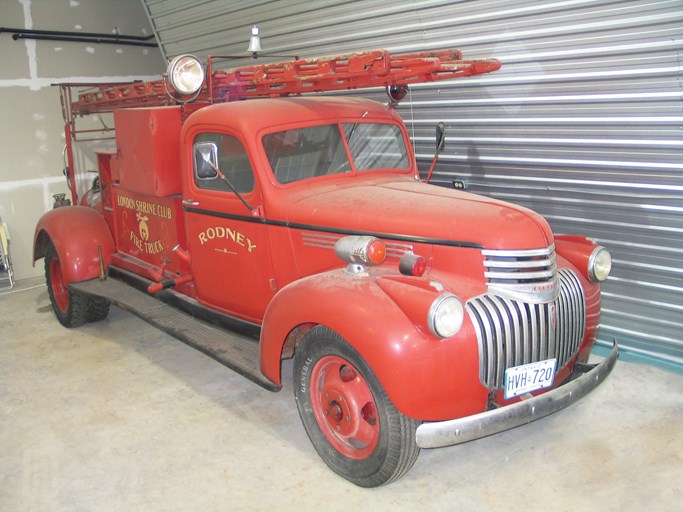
(98, 309)
(352, 423)
(72, 308)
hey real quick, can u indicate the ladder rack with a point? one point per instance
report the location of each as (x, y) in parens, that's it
(376, 68)
(355, 71)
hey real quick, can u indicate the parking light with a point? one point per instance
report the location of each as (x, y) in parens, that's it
(360, 251)
(412, 265)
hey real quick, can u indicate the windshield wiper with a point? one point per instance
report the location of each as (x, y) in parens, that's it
(353, 129)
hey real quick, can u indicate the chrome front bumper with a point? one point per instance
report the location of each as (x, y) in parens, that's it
(469, 428)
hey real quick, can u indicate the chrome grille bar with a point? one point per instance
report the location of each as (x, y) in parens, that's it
(511, 332)
(528, 275)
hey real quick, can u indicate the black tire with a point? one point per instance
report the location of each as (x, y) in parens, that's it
(72, 309)
(98, 309)
(352, 423)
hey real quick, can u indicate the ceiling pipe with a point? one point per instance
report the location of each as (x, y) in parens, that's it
(80, 37)
(84, 40)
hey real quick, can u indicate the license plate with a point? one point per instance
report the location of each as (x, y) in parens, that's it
(520, 380)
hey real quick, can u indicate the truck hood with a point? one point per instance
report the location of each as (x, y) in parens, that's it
(420, 212)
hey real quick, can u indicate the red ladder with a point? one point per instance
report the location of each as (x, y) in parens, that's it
(354, 71)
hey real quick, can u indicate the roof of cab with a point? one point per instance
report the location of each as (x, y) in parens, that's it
(251, 116)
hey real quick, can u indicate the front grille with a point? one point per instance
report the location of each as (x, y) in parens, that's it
(511, 332)
(528, 275)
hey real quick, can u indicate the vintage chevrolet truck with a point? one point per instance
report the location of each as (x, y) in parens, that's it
(256, 223)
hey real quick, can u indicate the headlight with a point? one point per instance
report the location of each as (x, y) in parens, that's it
(599, 264)
(185, 74)
(445, 316)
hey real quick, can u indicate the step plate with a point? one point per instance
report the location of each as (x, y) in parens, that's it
(237, 352)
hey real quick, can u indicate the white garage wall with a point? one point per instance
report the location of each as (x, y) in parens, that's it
(31, 127)
(582, 124)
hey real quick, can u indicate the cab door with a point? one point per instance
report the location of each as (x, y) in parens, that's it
(227, 238)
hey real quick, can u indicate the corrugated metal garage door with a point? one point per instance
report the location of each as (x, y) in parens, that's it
(583, 123)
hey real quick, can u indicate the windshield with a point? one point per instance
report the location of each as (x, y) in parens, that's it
(303, 153)
(376, 146)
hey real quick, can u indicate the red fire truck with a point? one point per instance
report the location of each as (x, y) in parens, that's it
(257, 223)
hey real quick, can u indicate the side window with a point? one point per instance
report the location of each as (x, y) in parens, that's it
(215, 152)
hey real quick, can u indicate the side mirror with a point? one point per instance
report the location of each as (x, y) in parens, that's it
(440, 144)
(440, 137)
(206, 160)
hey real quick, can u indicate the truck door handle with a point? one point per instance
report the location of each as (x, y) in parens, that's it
(190, 202)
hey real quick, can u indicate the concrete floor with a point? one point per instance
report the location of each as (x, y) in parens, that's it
(118, 416)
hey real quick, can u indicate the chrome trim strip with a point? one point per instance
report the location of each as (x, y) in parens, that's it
(319, 240)
(542, 275)
(529, 275)
(525, 253)
(322, 241)
(516, 275)
(520, 264)
(396, 250)
(446, 433)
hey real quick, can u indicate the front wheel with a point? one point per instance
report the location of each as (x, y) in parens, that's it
(352, 423)
(72, 308)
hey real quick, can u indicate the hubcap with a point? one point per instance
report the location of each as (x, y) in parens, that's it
(344, 407)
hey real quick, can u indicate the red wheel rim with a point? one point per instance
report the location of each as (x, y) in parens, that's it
(344, 407)
(59, 291)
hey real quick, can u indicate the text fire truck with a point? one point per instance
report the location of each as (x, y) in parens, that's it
(257, 224)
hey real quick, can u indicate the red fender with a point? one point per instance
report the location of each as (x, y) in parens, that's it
(427, 378)
(76, 232)
(574, 252)
(575, 249)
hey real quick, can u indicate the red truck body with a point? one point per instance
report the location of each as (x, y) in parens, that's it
(257, 252)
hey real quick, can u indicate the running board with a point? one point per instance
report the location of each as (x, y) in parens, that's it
(236, 351)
